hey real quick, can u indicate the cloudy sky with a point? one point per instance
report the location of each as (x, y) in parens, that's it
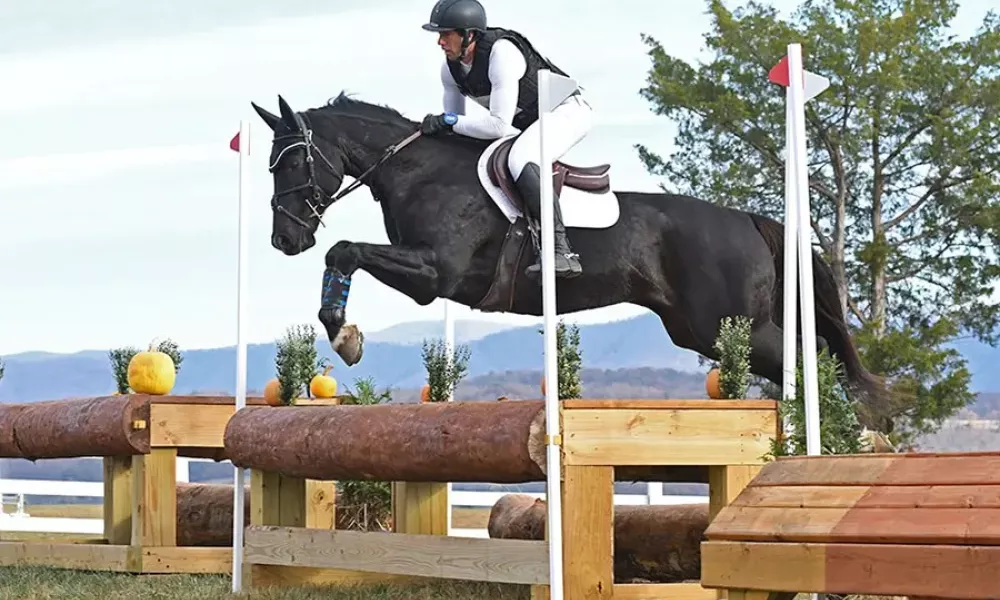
(118, 191)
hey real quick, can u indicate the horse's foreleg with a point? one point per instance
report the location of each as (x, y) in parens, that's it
(408, 270)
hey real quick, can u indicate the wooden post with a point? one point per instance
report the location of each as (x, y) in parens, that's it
(420, 508)
(588, 532)
(154, 498)
(117, 504)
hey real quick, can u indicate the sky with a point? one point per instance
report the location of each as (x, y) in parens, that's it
(118, 192)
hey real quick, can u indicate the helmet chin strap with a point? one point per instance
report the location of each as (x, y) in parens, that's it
(466, 40)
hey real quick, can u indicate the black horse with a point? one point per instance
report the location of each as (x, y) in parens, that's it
(688, 260)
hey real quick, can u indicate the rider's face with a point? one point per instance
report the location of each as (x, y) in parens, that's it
(451, 43)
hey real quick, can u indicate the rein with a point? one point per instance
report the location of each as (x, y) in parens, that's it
(320, 200)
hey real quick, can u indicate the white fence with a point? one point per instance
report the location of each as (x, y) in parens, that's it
(13, 492)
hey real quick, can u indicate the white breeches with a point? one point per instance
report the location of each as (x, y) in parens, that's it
(566, 125)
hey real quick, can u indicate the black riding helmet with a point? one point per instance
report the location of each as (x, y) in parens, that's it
(463, 15)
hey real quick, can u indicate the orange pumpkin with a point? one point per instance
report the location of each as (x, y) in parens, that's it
(425, 393)
(543, 386)
(272, 392)
(712, 385)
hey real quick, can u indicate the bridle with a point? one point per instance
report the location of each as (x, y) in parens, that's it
(319, 200)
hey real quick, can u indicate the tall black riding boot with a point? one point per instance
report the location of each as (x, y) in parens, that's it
(567, 264)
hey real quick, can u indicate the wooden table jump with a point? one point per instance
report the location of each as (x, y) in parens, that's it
(918, 525)
(718, 441)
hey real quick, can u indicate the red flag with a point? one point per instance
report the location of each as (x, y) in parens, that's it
(812, 83)
(234, 144)
(779, 72)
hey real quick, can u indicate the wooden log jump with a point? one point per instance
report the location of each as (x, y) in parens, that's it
(498, 442)
(152, 524)
(917, 525)
(720, 441)
(652, 543)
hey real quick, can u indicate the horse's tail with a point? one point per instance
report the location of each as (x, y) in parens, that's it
(867, 388)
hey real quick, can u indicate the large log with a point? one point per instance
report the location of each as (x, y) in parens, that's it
(499, 442)
(205, 514)
(658, 543)
(99, 426)
(447, 441)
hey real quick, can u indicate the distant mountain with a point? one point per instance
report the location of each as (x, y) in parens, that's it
(415, 332)
(392, 358)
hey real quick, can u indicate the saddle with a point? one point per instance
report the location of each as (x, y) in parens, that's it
(589, 179)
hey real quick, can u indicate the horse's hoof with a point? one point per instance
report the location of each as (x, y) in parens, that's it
(349, 344)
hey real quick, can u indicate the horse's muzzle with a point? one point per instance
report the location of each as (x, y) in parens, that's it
(290, 245)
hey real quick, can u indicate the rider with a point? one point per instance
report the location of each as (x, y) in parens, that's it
(498, 68)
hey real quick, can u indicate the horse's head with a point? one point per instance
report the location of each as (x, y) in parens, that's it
(307, 173)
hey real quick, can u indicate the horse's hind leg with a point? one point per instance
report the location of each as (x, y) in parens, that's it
(767, 341)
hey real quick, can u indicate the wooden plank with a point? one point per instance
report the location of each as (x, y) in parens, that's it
(959, 526)
(502, 561)
(60, 537)
(978, 468)
(154, 498)
(187, 559)
(667, 437)
(97, 557)
(726, 483)
(420, 507)
(861, 496)
(117, 502)
(202, 400)
(671, 404)
(960, 572)
(188, 425)
(657, 591)
(321, 508)
(588, 531)
(260, 576)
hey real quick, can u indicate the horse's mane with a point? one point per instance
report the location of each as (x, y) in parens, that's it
(345, 105)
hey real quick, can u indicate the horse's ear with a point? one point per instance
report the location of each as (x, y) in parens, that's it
(287, 114)
(271, 120)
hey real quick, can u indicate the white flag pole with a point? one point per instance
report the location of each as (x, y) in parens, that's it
(797, 97)
(449, 343)
(241, 343)
(789, 325)
(553, 490)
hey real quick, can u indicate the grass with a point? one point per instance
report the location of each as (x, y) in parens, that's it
(32, 583)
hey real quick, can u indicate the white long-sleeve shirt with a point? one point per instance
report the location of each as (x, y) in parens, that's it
(507, 66)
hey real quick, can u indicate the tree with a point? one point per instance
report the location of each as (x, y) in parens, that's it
(296, 362)
(733, 345)
(904, 161)
(569, 361)
(443, 372)
(839, 429)
(365, 505)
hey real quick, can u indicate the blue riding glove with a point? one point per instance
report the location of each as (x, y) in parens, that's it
(435, 124)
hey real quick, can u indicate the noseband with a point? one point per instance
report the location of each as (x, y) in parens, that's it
(319, 200)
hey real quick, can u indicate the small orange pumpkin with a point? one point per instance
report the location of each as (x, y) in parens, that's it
(272, 392)
(425, 393)
(712, 385)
